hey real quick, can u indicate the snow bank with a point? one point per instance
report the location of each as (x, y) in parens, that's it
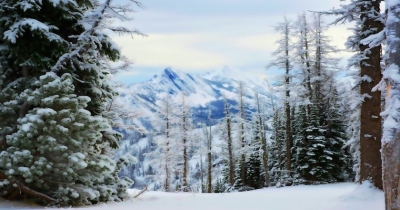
(344, 196)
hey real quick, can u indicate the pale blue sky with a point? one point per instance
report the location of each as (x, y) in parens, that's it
(204, 35)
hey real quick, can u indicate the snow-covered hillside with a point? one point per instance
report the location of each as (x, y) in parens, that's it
(202, 91)
(344, 196)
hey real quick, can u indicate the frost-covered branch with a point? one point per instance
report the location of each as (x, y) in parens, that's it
(92, 22)
(27, 190)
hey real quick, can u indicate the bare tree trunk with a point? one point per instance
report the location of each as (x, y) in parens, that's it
(168, 113)
(306, 61)
(289, 142)
(391, 132)
(166, 184)
(263, 139)
(209, 156)
(167, 161)
(201, 174)
(370, 119)
(230, 146)
(184, 139)
(185, 157)
(318, 65)
(242, 139)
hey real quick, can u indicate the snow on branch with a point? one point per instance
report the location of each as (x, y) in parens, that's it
(92, 22)
(28, 191)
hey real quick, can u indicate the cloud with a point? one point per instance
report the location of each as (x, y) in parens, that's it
(196, 36)
(178, 50)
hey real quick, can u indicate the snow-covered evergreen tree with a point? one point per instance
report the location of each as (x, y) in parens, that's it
(254, 169)
(62, 37)
(283, 61)
(165, 154)
(228, 140)
(277, 151)
(366, 40)
(185, 127)
(260, 116)
(300, 141)
(56, 164)
(335, 135)
(315, 159)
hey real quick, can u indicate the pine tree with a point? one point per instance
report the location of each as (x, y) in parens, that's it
(301, 142)
(227, 136)
(32, 45)
(335, 141)
(242, 127)
(314, 169)
(253, 164)
(276, 160)
(165, 142)
(184, 130)
(302, 56)
(366, 41)
(60, 124)
(263, 140)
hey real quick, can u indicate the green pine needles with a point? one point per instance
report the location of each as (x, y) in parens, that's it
(56, 139)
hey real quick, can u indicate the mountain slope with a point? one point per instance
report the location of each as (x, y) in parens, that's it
(201, 91)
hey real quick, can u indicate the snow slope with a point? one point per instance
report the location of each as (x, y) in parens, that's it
(343, 196)
(202, 91)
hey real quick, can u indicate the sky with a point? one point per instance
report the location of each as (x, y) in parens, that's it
(204, 35)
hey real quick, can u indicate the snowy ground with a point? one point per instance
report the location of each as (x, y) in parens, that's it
(344, 196)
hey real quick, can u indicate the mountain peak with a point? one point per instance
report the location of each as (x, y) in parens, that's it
(171, 74)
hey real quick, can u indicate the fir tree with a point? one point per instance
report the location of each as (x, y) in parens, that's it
(316, 159)
(301, 142)
(253, 164)
(56, 164)
(276, 160)
(335, 141)
(60, 37)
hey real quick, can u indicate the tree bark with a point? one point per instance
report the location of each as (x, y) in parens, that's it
(391, 132)
(370, 119)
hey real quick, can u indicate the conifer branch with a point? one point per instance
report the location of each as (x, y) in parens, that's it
(81, 49)
(29, 191)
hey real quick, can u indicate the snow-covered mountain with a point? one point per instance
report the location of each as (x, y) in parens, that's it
(202, 91)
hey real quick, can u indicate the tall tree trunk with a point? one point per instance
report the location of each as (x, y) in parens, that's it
(391, 132)
(167, 149)
(242, 139)
(305, 58)
(201, 174)
(209, 156)
(167, 162)
(318, 64)
(308, 65)
(289, 142)
(263, 139)
(370, 119)
(184, 142)
(230, 146)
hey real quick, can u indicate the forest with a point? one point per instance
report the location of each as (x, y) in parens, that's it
(61, 141)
